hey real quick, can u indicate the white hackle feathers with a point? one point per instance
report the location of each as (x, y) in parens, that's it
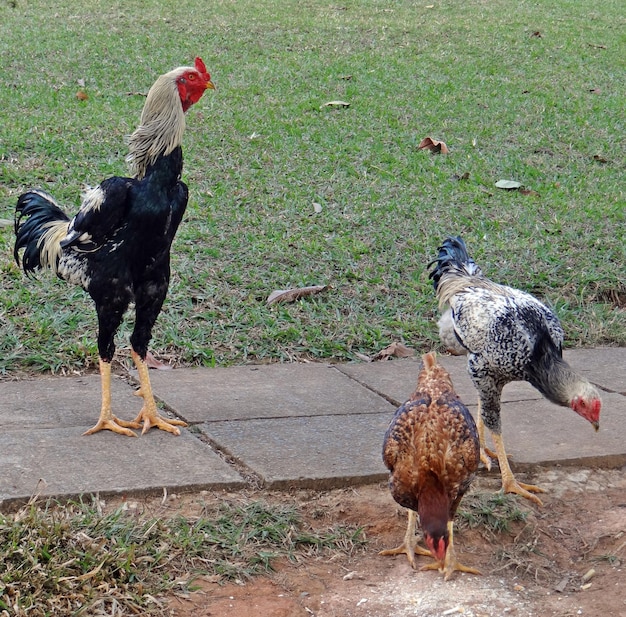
(162, 124)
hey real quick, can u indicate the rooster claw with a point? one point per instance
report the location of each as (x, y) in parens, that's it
(449, 568)
(523, 490)
(165, 425)
(409, 551)
(113, 424)
(153, 420)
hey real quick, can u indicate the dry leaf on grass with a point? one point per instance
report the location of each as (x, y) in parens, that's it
(336, 104)
(508, 185)
(81, 95)
(395, 349)
(291, 295)
(436, 147)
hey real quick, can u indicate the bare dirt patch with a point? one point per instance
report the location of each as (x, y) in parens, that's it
(537, 568)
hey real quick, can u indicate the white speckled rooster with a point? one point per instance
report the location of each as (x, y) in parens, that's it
(509, 336)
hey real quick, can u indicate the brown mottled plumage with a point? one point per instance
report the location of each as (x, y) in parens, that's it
(431, 449)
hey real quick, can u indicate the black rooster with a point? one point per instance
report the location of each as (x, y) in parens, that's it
(117, 247)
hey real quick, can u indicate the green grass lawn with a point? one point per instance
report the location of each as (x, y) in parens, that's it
(532, 92)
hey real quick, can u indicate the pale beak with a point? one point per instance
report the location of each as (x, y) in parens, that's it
(210, 85)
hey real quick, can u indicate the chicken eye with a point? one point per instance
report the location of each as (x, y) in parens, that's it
(191, 77)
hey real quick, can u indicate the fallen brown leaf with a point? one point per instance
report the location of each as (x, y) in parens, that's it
(81, 95)
(152, 362)
(291, 295)
(395, 349)
(599, 158)
(528, 192)
(536, 34)
(435, 146)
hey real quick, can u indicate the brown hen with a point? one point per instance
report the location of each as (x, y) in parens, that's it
(432, 450)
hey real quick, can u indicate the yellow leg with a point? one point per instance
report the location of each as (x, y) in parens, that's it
(485, 453)
(149, 414)
(107, 420)
(450, 564)
(509, 483)
(409, 546)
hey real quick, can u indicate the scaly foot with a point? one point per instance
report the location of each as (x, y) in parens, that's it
(409, 551)
(511, 485)
(409, 547)
(114, 424)
(448, 568)
(150, 418)
(107, 421)
(149, 414)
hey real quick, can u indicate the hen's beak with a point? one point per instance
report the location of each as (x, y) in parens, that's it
(210, 85)
(596, 426)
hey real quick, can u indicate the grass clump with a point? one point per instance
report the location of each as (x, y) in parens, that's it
(75, 560)
(494, 513)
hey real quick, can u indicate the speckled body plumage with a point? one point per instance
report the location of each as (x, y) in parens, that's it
(509, 335)
(504, 331)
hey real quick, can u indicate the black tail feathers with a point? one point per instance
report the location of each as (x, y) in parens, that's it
(453, 256)
(36, 214)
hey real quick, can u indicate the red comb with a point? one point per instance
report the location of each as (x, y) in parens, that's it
(200, 66)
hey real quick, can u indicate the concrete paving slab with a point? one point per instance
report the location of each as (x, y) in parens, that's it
(266, 391)
(302, 425)
(396, 379)
(62, 462)
(56, 402)
(604, 366)
(320, 452)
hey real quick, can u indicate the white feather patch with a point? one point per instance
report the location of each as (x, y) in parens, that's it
(92, 199)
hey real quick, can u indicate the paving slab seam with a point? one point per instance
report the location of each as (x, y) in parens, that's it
(390, 399)
(252, 479)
